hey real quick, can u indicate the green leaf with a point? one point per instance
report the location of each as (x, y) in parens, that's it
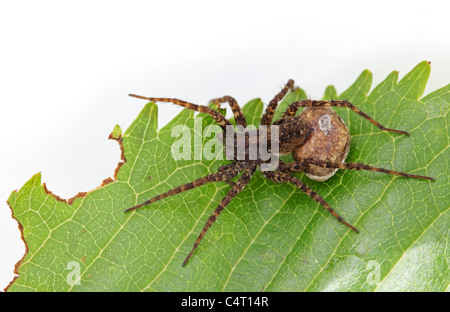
(271, 237)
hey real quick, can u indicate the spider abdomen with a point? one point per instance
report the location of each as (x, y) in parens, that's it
(329, 141)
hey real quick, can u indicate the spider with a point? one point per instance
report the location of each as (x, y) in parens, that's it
(317, 138)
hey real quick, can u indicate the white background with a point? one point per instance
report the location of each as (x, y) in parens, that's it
(66, 69)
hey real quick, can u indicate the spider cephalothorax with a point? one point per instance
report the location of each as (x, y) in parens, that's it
(317, 138)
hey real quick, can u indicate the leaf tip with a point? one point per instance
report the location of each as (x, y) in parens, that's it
(116, 133)
(34, 180)
(412, 85)
(330, 93)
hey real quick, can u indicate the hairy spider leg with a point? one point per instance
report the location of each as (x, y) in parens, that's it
(225, 167)
(236, 189)
(222, 175)
(270, 110)
(218, 117)
(301, 166)
(282, 177)
(237, 112)
(290, 112)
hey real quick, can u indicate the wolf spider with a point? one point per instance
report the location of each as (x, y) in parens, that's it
(317, 138)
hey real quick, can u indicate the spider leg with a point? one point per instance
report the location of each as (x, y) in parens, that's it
(218, 117)
(237, 112)
(236, 189)
(290, 112)
(294, 167)
(270, 110)
(282, 177)
(227, 166)
(224, 167)
(223, 175)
